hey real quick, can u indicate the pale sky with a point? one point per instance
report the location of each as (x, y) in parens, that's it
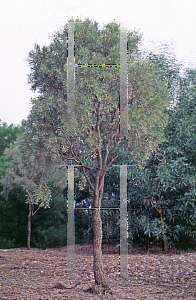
(24, 22)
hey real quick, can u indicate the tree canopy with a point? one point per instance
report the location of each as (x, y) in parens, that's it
(97, 93)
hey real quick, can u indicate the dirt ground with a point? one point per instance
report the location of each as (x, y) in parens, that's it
(41, 274)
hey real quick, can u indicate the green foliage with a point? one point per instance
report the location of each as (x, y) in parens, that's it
(165, 181)
(170, 69)
(13, 219)
(148, 101)
(3, 165)
(148, 94)
(182, 125)
(11, 216)
(42, 195)
(8, 134)
(30, 167)
(96, 144)
(152, 227)
(179, 169)
(49, 228)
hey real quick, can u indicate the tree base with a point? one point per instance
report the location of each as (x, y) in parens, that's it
(99, 289)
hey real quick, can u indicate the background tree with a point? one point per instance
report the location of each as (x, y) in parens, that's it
(178, 170)
(8, 234)
(95, 143)
(26, 169)
(13, 219)
(169, 183)
(49, 224)
(8, 134)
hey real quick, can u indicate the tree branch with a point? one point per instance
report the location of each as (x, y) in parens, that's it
(99, 120)
(106, 149)
(120, 155)
(88, 180)
(113, 152)
(33, 213)
(153, 205)
(78, 161)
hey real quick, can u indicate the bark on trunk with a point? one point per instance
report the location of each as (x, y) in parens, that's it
(97, 251)
(100, 284)
(147, 243)
(29, 227)
(164, 245)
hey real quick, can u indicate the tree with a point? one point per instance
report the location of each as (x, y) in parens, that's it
(183, 131)
(13, 223)
(95, 143)
(28, 168)
(49, 225)
(8, 134)
(169, 184)
(177, 173)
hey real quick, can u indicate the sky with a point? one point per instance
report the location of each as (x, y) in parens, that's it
(26, 22)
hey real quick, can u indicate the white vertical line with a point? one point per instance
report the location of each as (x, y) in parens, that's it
(70, 82)
(70, 225)
(123, 81)
(123, 222)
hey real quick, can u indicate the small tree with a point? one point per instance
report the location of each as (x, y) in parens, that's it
(28, 168)
(95, 143)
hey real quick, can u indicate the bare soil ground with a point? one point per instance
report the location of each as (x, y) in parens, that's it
(42, 274)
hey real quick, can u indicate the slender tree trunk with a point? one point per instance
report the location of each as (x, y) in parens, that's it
(100, 283)
(148, 239)
(29, 226)
(147, 243)
(164, 245)
(97, 251)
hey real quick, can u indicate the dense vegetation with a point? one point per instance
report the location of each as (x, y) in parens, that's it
(161, 193)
